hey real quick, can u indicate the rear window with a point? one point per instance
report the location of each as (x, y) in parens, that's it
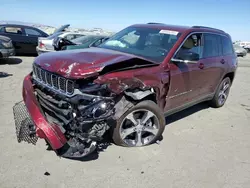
(227, 46)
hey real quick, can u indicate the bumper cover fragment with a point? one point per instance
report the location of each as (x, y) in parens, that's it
(25, 129)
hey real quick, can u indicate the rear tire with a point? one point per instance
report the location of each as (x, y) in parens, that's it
(151, 122)
(221, 93)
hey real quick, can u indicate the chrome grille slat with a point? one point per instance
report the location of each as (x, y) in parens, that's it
(62, 84)
(70, 86)
(39, 74)
(56, 82)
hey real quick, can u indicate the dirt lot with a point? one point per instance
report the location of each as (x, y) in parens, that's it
(202, 147)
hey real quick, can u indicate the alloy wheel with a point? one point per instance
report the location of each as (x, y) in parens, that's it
(139, 128)
(224, 91)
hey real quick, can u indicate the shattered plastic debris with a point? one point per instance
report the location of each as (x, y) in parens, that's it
(158, 142)
(4, 74)
(47, 174)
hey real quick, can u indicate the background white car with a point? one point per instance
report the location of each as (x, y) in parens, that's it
(45, 44)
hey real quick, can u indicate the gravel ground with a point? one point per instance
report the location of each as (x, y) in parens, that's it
(202, 147)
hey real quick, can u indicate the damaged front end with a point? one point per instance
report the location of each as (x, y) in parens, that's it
(80, 111)
(72, 111)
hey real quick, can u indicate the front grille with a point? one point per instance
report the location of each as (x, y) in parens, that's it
(56, 82)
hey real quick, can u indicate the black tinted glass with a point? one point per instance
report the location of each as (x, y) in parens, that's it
(211, 45)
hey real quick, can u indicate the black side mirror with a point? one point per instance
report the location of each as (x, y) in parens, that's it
(188, 56)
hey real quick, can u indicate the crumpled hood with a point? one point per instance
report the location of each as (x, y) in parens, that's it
(80, 63)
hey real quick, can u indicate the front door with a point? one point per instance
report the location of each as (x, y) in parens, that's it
(185, 73)
(31, 37)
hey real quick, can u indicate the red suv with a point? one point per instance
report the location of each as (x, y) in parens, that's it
(125, 86)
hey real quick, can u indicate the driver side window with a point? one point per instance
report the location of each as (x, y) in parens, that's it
(191, 49)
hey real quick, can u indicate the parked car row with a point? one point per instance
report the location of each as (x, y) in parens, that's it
(29, 40)
(24, 38)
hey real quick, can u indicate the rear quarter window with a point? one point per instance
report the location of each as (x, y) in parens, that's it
(227, 45)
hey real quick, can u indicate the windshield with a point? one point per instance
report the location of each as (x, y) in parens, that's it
(84, 39)
(149, 43)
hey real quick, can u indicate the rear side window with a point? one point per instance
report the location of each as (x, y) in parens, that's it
(33, 32)
(211, 45)
(13, 30)
(227, 46)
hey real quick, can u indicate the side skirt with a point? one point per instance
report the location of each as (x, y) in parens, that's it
(188, 105)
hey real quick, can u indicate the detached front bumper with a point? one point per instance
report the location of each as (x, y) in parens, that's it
(42, 129)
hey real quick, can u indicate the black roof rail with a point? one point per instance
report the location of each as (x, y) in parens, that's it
(204, 27)
(153, 23)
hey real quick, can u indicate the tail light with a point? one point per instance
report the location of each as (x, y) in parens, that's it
(41, 45)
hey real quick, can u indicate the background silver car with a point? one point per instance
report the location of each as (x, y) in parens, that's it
(241, 52)
(45, 44)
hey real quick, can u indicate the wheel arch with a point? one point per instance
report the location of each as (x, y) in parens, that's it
(231, 75)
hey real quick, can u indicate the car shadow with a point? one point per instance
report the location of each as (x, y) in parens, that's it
(5, 74)
(10, 61)
(187, 112)
(107, 141)
(26, 55)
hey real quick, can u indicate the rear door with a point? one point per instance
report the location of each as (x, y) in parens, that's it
(213, 64)
(31, 39)
(229, 56)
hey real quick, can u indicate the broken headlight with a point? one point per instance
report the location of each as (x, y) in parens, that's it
(103, 108)
(99, 109)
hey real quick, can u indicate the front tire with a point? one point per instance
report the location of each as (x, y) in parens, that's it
(221, 94)
(141, 125)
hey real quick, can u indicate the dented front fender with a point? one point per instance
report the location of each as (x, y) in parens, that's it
(144, 79)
